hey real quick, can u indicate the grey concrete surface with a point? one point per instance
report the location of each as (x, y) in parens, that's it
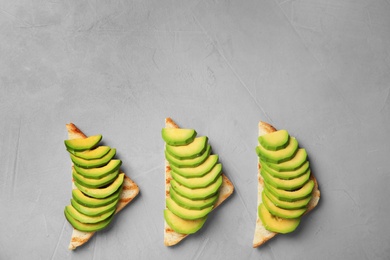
(318, 68)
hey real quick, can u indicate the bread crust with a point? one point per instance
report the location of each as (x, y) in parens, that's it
(170, 236)
(129, 191)
(261, 234)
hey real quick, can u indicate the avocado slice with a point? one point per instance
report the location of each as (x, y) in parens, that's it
(178, 136)
(94, 183)
(297, 204)
(184, 213)
(188, 162)
(95, 153)
(276, 224)
(94, 162)
(278, 156)
(87, 219)
(102, 192)
(100, 172)
(291, 195)
(286, 175)
(81, 144)
(87, 201)
(189, 151)
(96, 211)
(198, 171)
(280, 212)
(200, 193)
(192, 204)
(198, 182)
(291, 165)
(84, 227)
(275, 141)
(183, 226)
(291, 184)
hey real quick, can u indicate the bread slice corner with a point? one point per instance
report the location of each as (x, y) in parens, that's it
(129, 191)
(170, 236)
(262, 235)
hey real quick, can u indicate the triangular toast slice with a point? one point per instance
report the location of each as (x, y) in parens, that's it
(129, 191)
(261, 234)
(171, 237)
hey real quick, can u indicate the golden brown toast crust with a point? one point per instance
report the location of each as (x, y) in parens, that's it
(261, 234)
(129, 191)
(170, 236)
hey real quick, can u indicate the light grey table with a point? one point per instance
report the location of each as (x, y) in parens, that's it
(320, 69)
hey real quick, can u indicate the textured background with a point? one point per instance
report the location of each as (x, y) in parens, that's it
(318, 68)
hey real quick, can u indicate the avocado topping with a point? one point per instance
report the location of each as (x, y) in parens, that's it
(192, 204)
(280, 155)
(178, 136)
(83, 144)
(183, 226)
(287, 186)
(196, 179)
(193, 162)
(98, 183)
(198, 171)
(277, 224)
(96, 153)
(93, 163)
(275, 141)
(185, 213)
(189, 151)
(198, 182)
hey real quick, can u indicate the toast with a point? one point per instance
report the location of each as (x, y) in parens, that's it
(262, 235)
(129, 191)
(171, 237)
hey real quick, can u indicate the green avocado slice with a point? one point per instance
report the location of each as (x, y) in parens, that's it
(87, 227)
(199, 182)
(275, 141)
(192, 204)
(100, 172)
(87, 219)
(291, 195)
(183, 226)
(95, 183)
(188, 162)
(198, 171)
(96, 153)
(189, 151)
(291, 165)
(297, 204)
(286, 175)
(178, 136)
(87, 201)
(96, 211)
(280, 212)
(278, 156)
(197, 194)
(276, 224)
(102, 192)
(94, 162)
(291, 184)
(185, 213)
(81, 144)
